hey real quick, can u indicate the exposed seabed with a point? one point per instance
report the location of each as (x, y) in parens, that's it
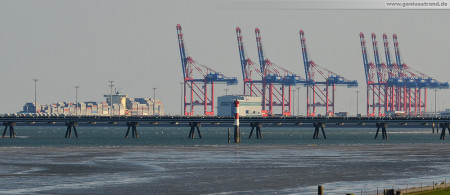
(221, 169)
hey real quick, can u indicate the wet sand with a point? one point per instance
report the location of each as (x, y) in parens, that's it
(225, 169)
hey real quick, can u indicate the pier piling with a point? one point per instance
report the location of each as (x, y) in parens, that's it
(383, 127)
(133, 126)
(444, 126)
(319, 126)
(389, 192)
(128, 131)
(229, 135)
(11, 125)
(194, 125)
(71, 125)
(258, 126)
(75, 131)
(4, 132)
(320, 190)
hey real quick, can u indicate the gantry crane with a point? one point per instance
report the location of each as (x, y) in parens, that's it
(398, 88)
(196, 78)
(276, 82)
(376, 86)
(318, 91)
(417, 84)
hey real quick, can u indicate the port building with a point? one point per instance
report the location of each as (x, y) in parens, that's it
(248, 106)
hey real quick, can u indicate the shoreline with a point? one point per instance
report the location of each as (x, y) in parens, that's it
(442, 185)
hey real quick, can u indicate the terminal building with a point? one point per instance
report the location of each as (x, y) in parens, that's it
(248, 106)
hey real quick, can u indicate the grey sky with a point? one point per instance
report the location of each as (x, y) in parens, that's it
(134, 43)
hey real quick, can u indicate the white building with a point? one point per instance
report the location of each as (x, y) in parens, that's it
(248, 106)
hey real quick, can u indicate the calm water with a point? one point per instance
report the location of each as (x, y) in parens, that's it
(113, 136)
(164, 161)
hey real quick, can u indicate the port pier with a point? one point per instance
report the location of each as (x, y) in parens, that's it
(256, 123)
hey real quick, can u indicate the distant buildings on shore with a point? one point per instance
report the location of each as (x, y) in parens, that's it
(125, 106)
(121, 105)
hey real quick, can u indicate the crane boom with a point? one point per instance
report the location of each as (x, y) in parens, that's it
(304, 54)
(387, 52)
(397, 51)
(364, 55)
(262, 60)
(375, 50)
(242, 53)
(182, 51)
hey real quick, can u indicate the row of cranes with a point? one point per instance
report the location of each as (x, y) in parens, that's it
(269, 81)
(274, 83)
(390, 86)
(394, 86)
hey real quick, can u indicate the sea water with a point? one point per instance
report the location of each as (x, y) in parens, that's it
(114, 136)
(164, 161)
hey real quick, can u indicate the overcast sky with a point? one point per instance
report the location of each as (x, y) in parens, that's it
(134, 43)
